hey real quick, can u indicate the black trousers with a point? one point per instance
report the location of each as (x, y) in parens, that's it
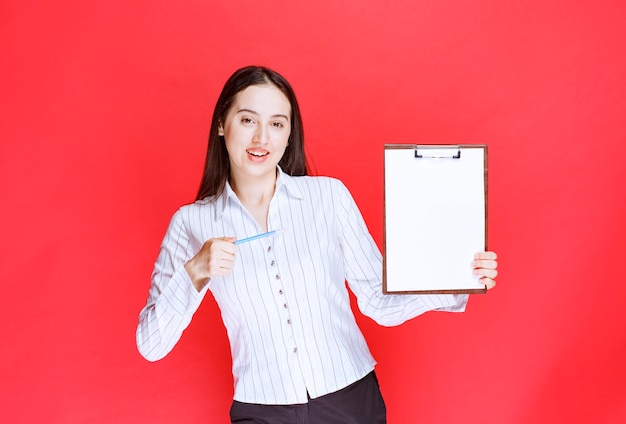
(359, 403)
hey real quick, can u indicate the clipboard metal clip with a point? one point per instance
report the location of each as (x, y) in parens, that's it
(437, 152)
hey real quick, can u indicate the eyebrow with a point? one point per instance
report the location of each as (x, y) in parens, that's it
(256, 113)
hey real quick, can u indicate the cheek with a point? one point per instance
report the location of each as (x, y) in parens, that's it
(232, 137)
(230, 144)
(284, 142)
(286, 137)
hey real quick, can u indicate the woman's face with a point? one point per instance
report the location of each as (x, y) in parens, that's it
(256, 131)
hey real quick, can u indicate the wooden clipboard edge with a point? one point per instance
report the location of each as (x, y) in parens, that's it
(486, 180)
(451, 291)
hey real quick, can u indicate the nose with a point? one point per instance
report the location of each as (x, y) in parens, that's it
(261, 135)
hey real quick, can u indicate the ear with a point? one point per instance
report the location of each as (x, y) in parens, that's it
(220, 129)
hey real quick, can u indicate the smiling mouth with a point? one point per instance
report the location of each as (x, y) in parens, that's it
(258, 154)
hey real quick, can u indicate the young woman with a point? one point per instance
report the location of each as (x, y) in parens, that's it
(298, 354)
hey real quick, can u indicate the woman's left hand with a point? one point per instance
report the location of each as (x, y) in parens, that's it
(485, 265)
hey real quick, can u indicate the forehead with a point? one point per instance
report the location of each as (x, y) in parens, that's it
(266, 99)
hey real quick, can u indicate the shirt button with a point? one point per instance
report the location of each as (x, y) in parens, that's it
(280, 291)
(269, 248)
(295, 350)
(289, 321)
(277, 277)
(285, 306)
(273, 263)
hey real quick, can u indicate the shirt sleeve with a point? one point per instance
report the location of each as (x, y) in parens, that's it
(363, 265)
(172, 299)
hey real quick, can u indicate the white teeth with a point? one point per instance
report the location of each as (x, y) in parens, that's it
(258, 154)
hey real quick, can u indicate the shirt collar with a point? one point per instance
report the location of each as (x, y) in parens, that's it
(289, 184)
(284, 182)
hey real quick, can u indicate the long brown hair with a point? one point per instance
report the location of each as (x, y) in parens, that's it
(217, 164)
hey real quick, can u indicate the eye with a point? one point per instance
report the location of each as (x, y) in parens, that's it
(278, 125)
(246, 121)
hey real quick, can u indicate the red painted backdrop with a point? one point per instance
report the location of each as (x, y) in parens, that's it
(104, 115)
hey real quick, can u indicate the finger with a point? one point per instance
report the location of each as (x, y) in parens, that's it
(488, 264)
(486, 255)
(229, 240)
(228, 251)
(488, 282)
(222, 272)
(221, 246)
(490, 273)
(223, 268)
(220, 261)
(227, 263)
(229, 245)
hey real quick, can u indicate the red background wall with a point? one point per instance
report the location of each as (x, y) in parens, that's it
(104, 115)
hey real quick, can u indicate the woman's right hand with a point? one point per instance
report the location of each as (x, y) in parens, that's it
(215, 258)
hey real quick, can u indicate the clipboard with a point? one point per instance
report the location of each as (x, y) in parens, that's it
(435, 217)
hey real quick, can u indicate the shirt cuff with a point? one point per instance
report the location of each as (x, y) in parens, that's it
(180, 294)
(455, 303)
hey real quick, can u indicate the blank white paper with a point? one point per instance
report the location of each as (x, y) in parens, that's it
(434, 220)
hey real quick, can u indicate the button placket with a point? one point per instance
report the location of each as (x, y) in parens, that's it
(278, 284)
(273, 266)
(281, 292)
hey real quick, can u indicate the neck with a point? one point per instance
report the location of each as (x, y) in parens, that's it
(253, 191)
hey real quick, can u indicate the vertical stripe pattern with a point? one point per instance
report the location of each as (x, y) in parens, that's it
(285, 305)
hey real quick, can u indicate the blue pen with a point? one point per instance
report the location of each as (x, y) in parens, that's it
(258, 236)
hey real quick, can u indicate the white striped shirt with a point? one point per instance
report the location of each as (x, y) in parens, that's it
(285, 305)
